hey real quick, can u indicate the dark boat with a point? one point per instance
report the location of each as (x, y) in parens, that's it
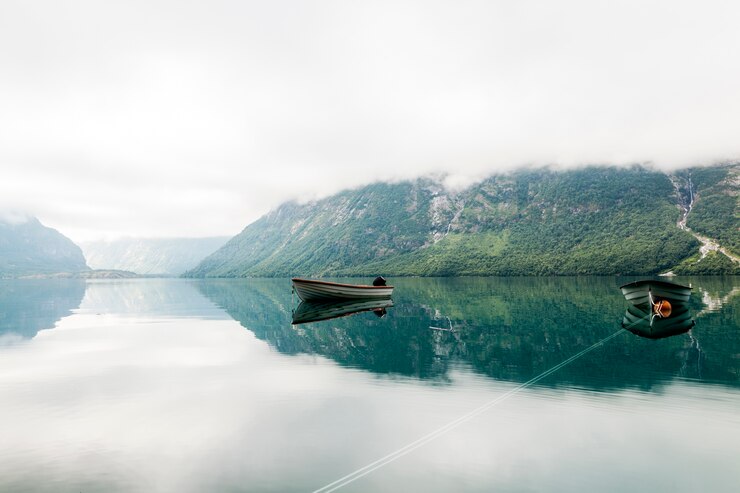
(645, 322)
(312, 290)
(648, 292)
(314, 311)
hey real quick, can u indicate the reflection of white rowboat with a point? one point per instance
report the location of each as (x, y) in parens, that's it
(314, 311)
(645, 323)
(310, 290)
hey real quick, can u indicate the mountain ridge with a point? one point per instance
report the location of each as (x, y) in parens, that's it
(594, 220)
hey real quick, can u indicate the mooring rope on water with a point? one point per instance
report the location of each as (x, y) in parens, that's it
(355, 475)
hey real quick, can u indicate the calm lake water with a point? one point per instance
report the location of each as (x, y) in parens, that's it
(194, 386)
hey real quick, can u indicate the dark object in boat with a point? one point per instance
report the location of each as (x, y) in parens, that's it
(312, 290)
(316, 311)
(648, 293)
(646, 323)
(379, 281)
(662, 308)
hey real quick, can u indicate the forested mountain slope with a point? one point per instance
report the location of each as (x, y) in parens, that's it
(596, 220)
(712, 215)
(716, 210)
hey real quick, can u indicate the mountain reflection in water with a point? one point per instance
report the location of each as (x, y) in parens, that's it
(505, 328)
(30, 305)
(522, 384)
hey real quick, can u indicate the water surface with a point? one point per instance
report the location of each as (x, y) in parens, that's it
(178, 385)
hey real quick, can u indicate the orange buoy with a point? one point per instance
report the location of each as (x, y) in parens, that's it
(662, 308)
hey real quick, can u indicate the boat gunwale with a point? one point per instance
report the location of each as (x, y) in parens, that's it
(329, 283)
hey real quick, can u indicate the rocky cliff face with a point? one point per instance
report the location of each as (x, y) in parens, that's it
(597, 220)
(29, 247)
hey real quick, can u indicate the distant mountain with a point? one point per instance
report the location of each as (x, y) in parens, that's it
(29, 248)
(154, 256)
(596, 220)
(86, 274)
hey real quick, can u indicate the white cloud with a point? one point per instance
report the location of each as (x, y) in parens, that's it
(193, 119)
(13, 216)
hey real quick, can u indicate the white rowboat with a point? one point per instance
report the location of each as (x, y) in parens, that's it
(645, 292)
(310, 290)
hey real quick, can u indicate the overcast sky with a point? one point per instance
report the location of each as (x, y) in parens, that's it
(193, 118)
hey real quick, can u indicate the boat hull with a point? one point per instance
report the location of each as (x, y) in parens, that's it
(310, 290)
(638, 292)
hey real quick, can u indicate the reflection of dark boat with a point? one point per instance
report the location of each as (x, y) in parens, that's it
(644, 322)
(310, 290)
(314, 311)
(652, 292)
